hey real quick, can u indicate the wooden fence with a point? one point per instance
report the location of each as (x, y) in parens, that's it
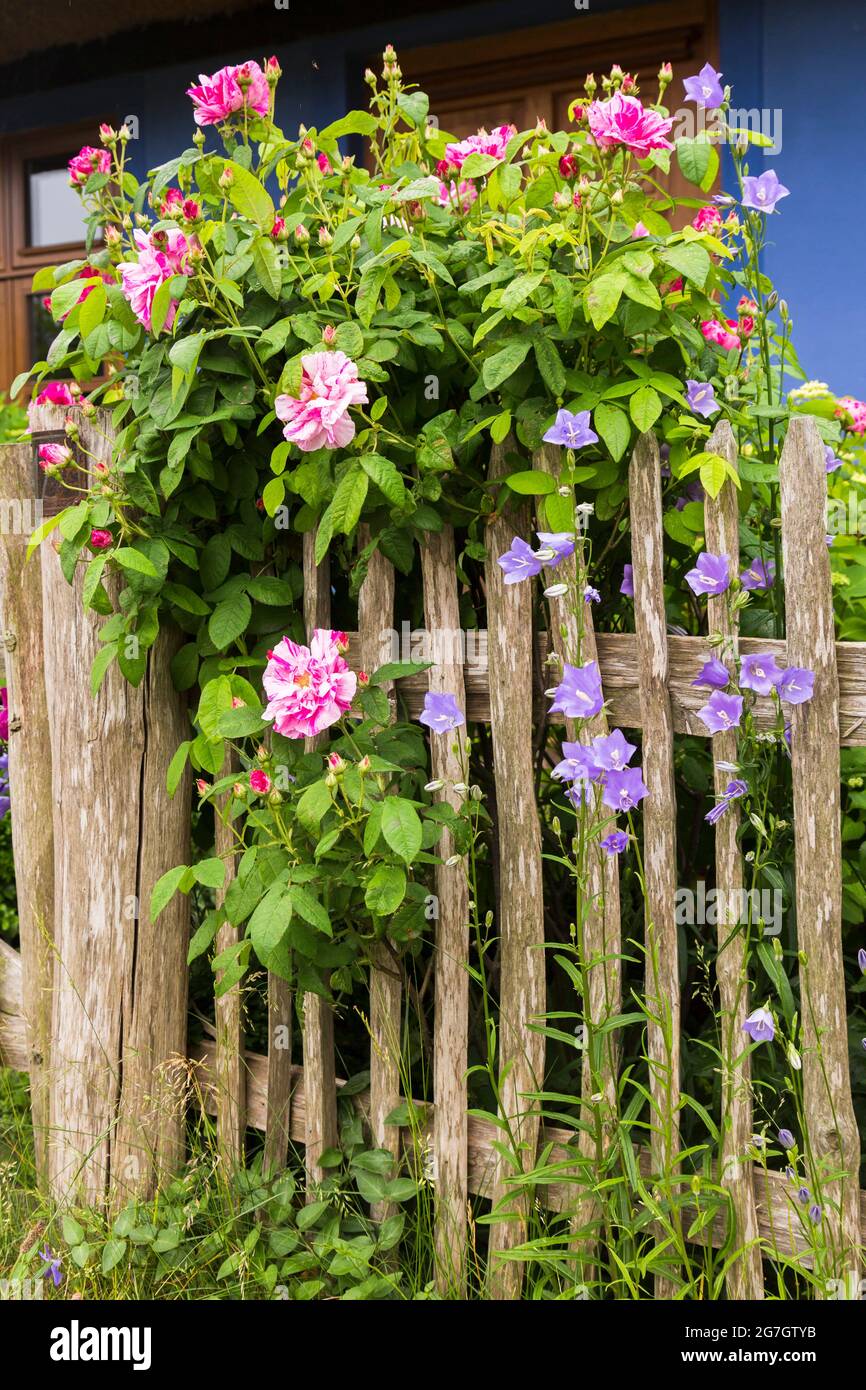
(117, 990)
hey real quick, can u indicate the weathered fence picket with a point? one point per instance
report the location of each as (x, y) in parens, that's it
(520, 917)
(30, 771)
(451, 1016)
(319, 1068)
(600, 936)
(829, 1108)
(228, 1007)
(375, 620)
(745, 1276)
(662, 973)
(116, 984)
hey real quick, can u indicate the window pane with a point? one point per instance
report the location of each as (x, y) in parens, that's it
(54, 214)
(43, 330)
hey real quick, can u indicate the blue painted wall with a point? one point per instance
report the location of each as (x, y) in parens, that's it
(789, 55)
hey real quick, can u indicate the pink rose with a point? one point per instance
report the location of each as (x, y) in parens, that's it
(707, 219)
(849, 408)
(229, 90)
(101, 540)
(324, 163)
(54, 455)
(88, 161)
(319, 417)
(460, 195)
(495, 143)
(86, 273)
(260, 782)
(716, 332)
(622, 120)
(308, 688)
(160, 256)
(55, 393)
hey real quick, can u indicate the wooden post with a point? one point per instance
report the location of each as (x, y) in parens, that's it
(659, 809)
(117, 1024)
(228, 1008)
(521, 906)
(745, 1278)
(451, 1021)
(319, 1069)
(601, 938)
(29, 771)
(830, 1119)
(375, 616)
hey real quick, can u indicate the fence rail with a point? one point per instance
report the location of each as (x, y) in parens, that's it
(647, 679)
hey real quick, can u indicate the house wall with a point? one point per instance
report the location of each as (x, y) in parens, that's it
(783, 55)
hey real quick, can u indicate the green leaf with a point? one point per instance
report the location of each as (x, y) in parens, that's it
(113, 1252)
(92, 310)
(248, 196)
(550, 365)
(345, 509)
(176, 767)
(401, 827)
(229, 620)
(614, 428)
(266, 259)
(689, 260)
(520, 289)
(210, 873)
(135, 561)
(504, 363)
(269, 923)
(386, 890)
(313, 802)
(309, 907)
(602, 297)
(184, 666)
(354, 123)
(693, 157)
(159, 308)
(73, 1233)
(165, 888)
(386, 476)
(414, 106)
(645, 408)
(101, 663)
(530, 482)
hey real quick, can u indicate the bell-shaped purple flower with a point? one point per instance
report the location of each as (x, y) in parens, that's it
(627, 585)
(734, 789)
(762, 192)
(579, 694)
(560, 542)
(578, 764)
(624, 790)
(615, 842)
(831, 462)
(710, 575)
(701, 397)
(705, 89)
(713, 675)
(441, 713)
(613, 752)
(796, 685)
(722, 712)
(571, 431)
(759, 672)
(759, 575)
(520, 562)
(760, 1026)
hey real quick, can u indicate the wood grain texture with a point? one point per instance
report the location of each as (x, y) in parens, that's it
(229, 1007)
(113, 1127)
(451, 1019)
(599, 934)
(617, 656)
(149, 1142)
(829, 1109)
(375, 620)
(745, 1279)
(779, 1218)
(662, 975)
(29, 752)
(520, 910)
(319, 1067)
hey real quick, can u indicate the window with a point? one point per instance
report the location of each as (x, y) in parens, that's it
(40, 224)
